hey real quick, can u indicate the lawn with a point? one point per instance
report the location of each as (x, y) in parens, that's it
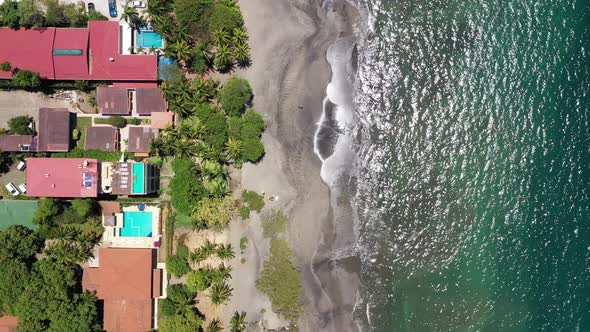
(183, 221)
(17, 213)
(82, 123)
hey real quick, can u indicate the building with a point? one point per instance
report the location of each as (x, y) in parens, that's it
(62, 177)
(149, 100)
(129, 178)
(8, 323)
(139, 140)
(79, 177)
(105, 138)
(113, 100)
(162, 120)
(55, 130)
(18, 143)
(92, 53)
(130, 283)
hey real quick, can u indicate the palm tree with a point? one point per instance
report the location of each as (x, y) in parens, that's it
(221, 37)
(238, 322)
(129, 14)
(66, 233)
(239, 36)
(214, 326)
(242, 54)
(225, 252)
(181, 298)
(179, 49)
(67, 253)
(152, 50)
(210, 170)
(220, 293)
(223, 58)
(220, 274)
(233, 149)
(157, 146)
(208, 248)
(185, 149)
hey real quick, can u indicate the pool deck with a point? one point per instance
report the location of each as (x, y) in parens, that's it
(112, 241)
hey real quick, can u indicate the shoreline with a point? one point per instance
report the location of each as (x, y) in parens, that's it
(289, 77)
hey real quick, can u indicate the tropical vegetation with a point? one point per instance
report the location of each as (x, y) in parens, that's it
(20, 125)
(45, 13)
(178, 311)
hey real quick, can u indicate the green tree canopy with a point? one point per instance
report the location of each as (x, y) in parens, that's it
(191, 14)
(26, 79)
(18, 242)
(252, 149)
(224, 17)
(234, 95)
(19, 125)
(14, 276)
(199, 280)
(84, 207)
(181, 323)
(47, 209)
(30, 15)
(9, 14)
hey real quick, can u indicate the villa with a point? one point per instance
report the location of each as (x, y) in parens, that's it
(97, 52)
(79, 177)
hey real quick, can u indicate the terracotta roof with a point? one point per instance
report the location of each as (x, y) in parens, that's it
(161, 120)
(8, 323)
(54, 130)
(124, 280)
(28, 49)
(100, 58)
(62, 177)
(140, 138)
(157, 283)
(113, 100)
(105, 138)
(14, 143)
(149, 100)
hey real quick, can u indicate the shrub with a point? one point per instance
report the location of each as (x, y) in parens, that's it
(254, 200)
(252, 149)
(90, 154)
(84, 207)
(82, 85)
(177, 265)
(274, 222)
(47, 209)
(243, 243)
(76, 134)
(252, 124)
(185, 188)
(117, 121)
(26, 79)
(224, 17)
(245, 212)
(198, 280)
(281, 281)
(216, 212)
(234, 127)
(5, 66)
(134, 121)
(20, 125)
(234, 95)
(93, 15)
(191, 14)
(9, 14)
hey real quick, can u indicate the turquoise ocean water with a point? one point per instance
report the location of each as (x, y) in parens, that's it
(473, 172)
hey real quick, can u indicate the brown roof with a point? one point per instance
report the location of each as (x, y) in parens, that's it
(109, 208)
(105, 138)
(8, 323)
(13, 143)
(112, 100)
(140, 138)
(54, 130)
(157, 283)
(161, 120)
(124, 280)
(149, 100)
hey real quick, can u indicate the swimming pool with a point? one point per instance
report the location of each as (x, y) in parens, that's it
(138, 179)
(149, 39)
(136, 224)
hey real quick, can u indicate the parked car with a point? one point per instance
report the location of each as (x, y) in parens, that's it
(91, 7)
(113, 8)
(23, 188)
(21, 165)
(12, 189)
(138, 4)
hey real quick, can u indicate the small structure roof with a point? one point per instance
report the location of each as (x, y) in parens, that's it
(109, 208)
(113, 101)
(62, 177)
(105, 138)
(54, 130)
(8, 323)
(140, 138)
(149, 100)
(162, 120)
(124, 280)
(14, 143)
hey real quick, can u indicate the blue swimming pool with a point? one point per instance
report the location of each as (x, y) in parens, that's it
(149, 39)
(136, 224)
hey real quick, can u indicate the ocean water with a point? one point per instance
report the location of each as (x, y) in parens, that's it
(470, 132)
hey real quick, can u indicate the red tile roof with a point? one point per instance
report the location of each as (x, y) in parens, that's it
(162, 120)
(28, 49)
(112, 101)
(54, 130)
(108, 64)
(13, 143)
(140, 138)
(33, 49)
(105, 138)
(61, 177)
(71, 67)
(124, 280)
(149, 100)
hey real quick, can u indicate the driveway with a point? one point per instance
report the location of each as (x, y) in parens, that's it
(102, 6)
(15, 103)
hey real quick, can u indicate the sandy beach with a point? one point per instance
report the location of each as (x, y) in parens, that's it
(289, 75)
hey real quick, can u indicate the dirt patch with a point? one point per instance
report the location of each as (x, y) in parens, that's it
(15, 103)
